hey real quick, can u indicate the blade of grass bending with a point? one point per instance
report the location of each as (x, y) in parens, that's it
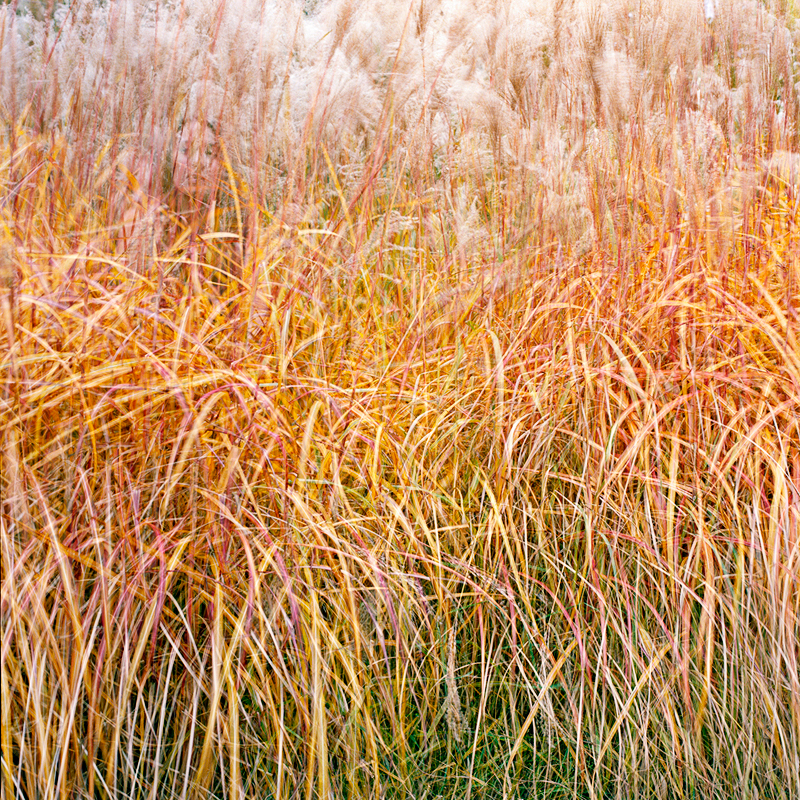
(529, 720)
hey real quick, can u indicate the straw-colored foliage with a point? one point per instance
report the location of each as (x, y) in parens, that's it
(399, 399)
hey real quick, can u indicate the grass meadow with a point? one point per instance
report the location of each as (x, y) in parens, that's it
(400, 399)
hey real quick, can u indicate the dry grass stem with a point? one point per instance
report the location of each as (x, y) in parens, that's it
(399, 399)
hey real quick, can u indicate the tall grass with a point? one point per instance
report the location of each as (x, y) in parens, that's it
(399, 400)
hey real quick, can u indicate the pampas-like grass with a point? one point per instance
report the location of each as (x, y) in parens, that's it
(399, 399)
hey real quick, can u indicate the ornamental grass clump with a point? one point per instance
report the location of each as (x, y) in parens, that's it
(399, 400)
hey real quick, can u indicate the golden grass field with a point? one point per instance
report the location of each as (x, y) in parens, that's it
(400, 400)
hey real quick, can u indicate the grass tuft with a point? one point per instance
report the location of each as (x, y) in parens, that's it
(399, 400)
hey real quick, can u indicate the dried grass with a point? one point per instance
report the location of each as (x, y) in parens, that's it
(403, 409)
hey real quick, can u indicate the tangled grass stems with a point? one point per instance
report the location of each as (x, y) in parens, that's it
(355, 468)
